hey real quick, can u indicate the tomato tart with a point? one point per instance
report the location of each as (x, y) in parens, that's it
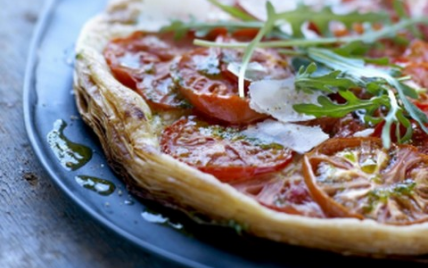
(304, 122)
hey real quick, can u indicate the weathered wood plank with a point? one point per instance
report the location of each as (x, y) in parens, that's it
(39, 226)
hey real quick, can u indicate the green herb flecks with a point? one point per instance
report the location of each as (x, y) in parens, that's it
(382, 195)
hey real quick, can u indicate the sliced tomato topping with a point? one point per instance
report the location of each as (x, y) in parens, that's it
(418, 72)
(284, 193)
(207, 77)
(415, 59)
(357, 177)
(348, 126)
(223, 152)
(142, 62)
(417, 52)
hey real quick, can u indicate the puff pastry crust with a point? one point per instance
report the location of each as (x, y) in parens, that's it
(129, 133)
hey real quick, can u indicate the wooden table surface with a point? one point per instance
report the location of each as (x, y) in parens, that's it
(39, 225)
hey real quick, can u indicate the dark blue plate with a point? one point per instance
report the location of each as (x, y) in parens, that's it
(48, 98)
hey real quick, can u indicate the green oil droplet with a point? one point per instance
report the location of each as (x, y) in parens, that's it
(100, 186)
(369, 166)
(351, 157)
(71, 155)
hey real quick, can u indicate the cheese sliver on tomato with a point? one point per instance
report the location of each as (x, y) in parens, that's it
(277, 98)
(300, 139)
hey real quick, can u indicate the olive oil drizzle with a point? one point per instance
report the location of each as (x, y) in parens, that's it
(100, 186)
(72, 156)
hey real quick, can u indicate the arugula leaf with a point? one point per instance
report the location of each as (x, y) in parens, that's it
(400, 9)
(180, 28)
(329, 83)
(249, 51)
(357, 69)
(323, 18)
(414, 112)
(359, 49)
(233, 11)
(352, 49)
(368, 37)
(329, 108)
(352, 66)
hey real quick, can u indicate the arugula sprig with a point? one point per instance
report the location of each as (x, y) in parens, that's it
(233, 11)
(296, 18)
(329, 108)
(400, 9)
(249, 51)
(329, 83)
(181, 28)
(390, 92)
(368, 37)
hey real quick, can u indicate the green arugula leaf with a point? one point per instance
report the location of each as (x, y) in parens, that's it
(400, 9)
(352, 49)
(352, 66)
(328, 83)
(369, 37)
(323, 18)
(329, 108)
(233, 11)
(180, 28)
(359, 49)
(249, 51)
(357, 69)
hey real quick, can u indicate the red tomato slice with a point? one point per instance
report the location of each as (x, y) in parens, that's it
(357, 177)
(205, 78)
(142, 62)
(418, 72)
(222, 152)
(348, 126)
(417, 52)
(284, 193)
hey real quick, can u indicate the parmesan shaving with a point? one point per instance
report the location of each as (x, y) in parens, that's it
(277, 97)
(364, 133)
(300, 139)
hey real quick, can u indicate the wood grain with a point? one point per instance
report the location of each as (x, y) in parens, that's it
(39, 226)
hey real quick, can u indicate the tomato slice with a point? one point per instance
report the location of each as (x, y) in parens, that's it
(205, 78)
(223, 152)
(348, 126)
(286, 193)
(357, 177)
(415, 59)
(418, 72)
(417, 52)
(142, 62)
